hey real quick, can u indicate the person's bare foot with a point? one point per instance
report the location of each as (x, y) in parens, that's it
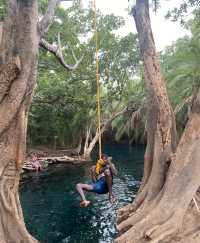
(84, 204)
(113, 200)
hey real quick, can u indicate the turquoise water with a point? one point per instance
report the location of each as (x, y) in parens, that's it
(51, 204)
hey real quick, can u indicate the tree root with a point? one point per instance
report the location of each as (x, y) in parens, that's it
(131, 220)
(159, 238)
(137, 216)
(123, 213)
(160, 232)
(162, 226)
(12, 226)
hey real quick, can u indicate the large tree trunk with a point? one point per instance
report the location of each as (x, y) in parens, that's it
(169, 182)
(20, 35)
(172, 217)
(162, 207)
(18, 66)
(161, 130)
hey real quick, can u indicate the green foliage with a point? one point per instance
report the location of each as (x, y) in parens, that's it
(181, 66)
(65, 102)
(3, 4)
(181, 12)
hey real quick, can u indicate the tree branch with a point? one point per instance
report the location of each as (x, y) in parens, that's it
(115, 115)
(56, 50)
(47, 19)
(103, 129)
(109, 121)
(180, 106)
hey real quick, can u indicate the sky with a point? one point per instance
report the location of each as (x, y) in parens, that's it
(165, 31)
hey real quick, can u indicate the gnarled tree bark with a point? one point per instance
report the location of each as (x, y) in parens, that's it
(173, 216)
(18, 66)
(169, 182)
(161, 129)
(20, 35)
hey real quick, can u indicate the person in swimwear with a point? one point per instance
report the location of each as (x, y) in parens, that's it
(102, 180)
(35, 162)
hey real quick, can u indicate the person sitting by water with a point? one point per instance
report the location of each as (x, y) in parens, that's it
(102, 180)
(35, 163)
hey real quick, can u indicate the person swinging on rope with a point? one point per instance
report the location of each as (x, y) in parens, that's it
(102, 180)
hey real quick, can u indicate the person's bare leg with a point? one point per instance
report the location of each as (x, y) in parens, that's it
(109, 184)
(80, 188)
(92, 173)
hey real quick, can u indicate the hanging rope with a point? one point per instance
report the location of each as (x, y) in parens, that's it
(97, 80)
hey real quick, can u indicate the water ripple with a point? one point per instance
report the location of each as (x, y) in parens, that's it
(51, 204)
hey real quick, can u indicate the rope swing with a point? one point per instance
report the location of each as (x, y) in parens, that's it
(97, 80)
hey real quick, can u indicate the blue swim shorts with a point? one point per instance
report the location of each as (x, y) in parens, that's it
(100, 186)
